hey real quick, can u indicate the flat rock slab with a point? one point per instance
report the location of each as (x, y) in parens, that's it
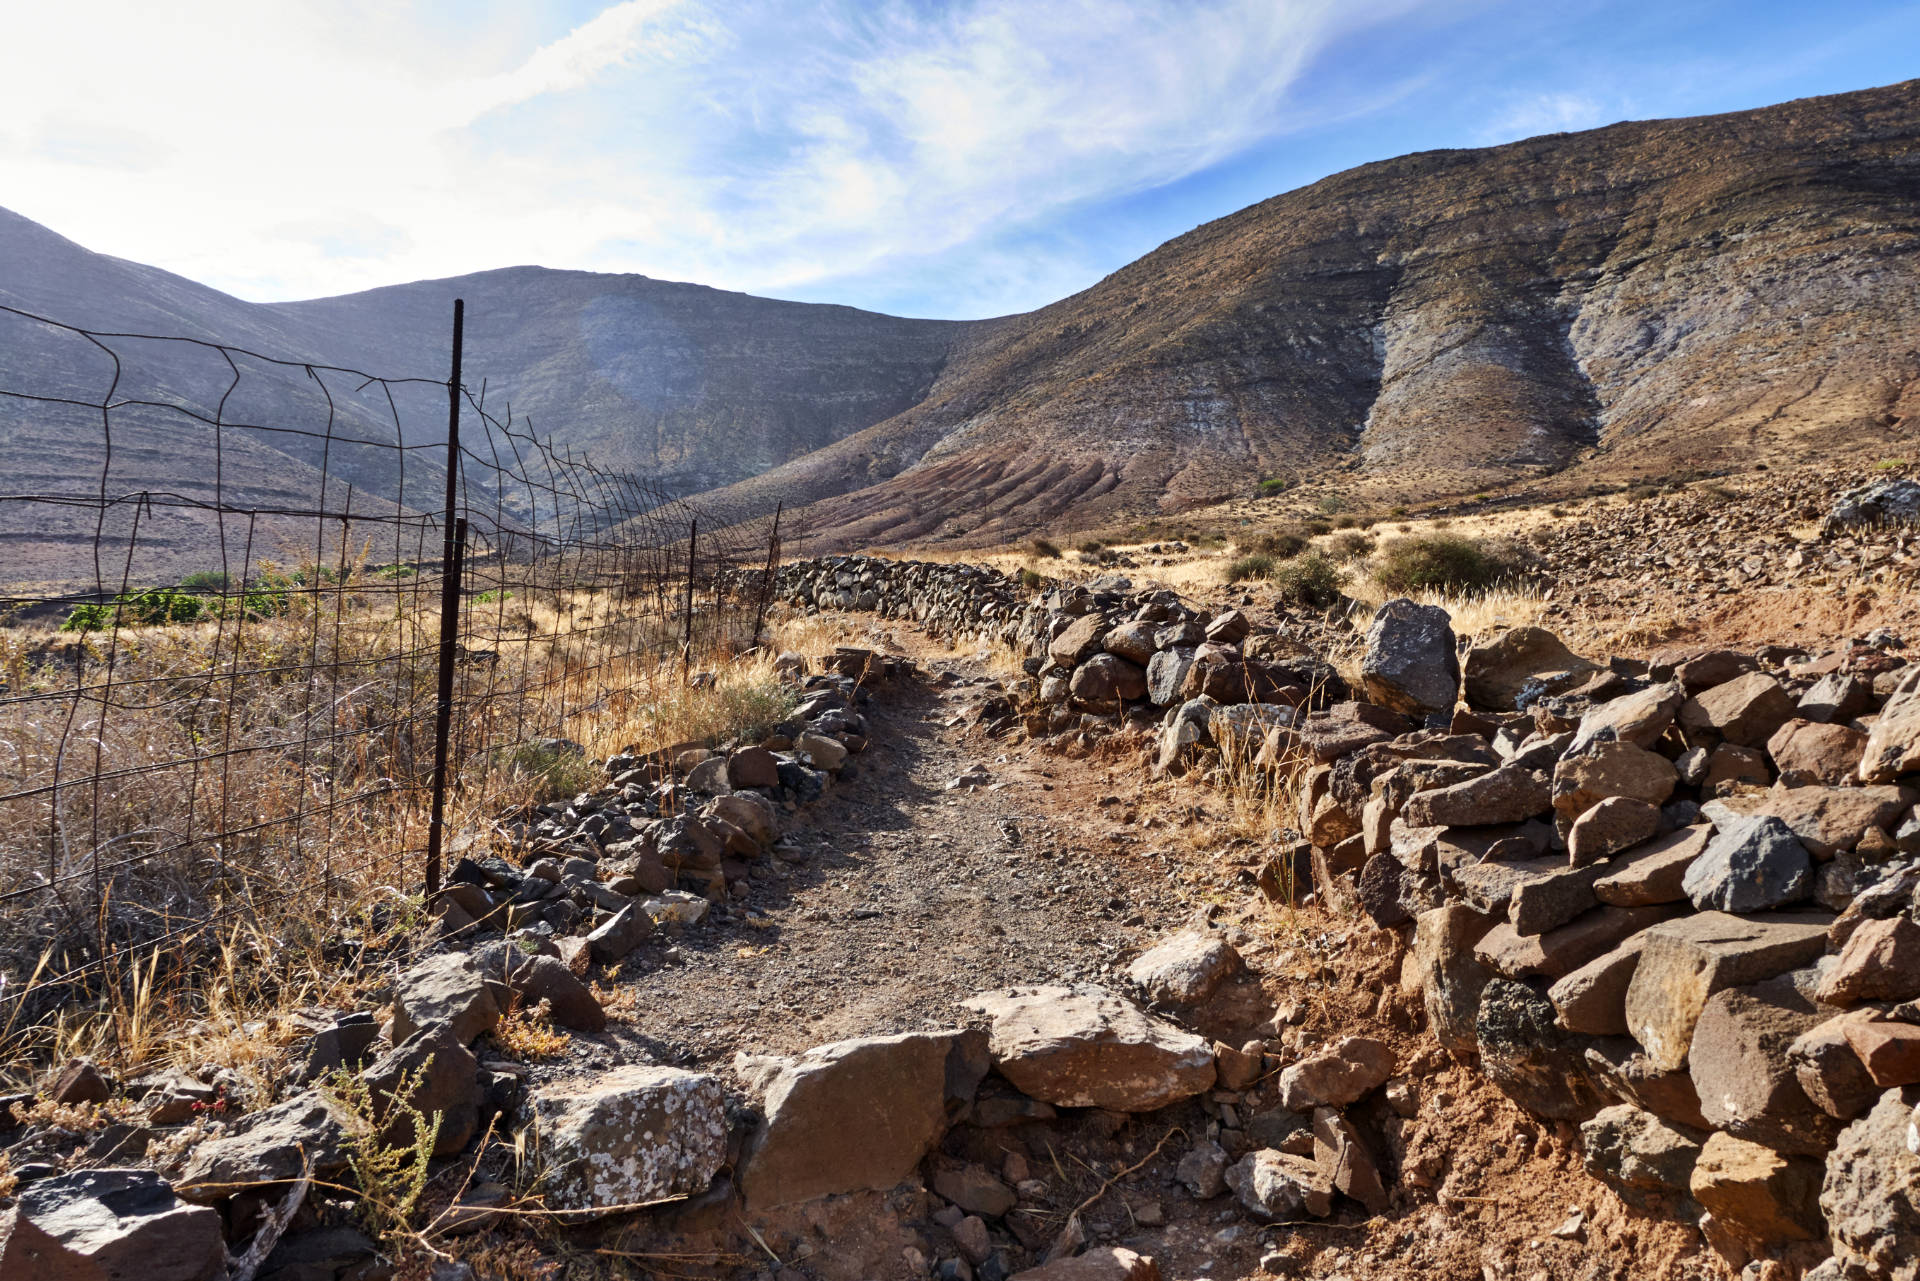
(124, 1223)
(1084, 1047)
(849, 1116)
(1828, 820)
(1654, 872)
(1593, 999)
(630, 1136)
(1686, 961)
(1560, 952)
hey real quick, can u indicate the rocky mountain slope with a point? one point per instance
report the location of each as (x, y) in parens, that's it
(1639, 298)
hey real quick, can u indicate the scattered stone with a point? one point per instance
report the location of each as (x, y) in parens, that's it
(974, 1189)
(1102, 1263)
(80, 1082)
(1742, 1071)
(300, 1135)
(1605, 769)
(849, 1116)
(1342, 1074)
(1615, 824)
(1889, 1051)
(1893, 744)
(1654, 872)
(1638, 1154)
(1082, 1046)
(1185, 969)
(448, 991)
(1343, 1159)
(1204, 1169)
(1510, 794)
(1871, 1192)
(1639, 718)
(1745, 711)
(1686, 961)
(1754, 864)
(619, 935)
(1411, 663)
(1880, 962)
(1518, 668)
(111, 1224)
(1767, 1198)
(1280, 1185)
(632, 1135)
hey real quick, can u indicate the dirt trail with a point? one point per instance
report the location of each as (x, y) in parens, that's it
(896, 896)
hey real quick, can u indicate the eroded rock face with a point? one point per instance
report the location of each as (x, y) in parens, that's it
(848, 1116)
(1524, 1052)
(632, 1135)
(1083, 1046)
(1871, 1192)
(1411, 664)
(121, 1223)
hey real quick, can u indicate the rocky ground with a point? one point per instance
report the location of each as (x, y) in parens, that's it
(1171, 950)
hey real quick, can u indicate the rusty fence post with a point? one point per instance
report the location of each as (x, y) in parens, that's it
(452, 551)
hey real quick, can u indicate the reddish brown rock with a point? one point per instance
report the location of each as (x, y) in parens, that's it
(1831, 819)
(1684, 962)
(1592, 1000)
(1766, 1198)
(1341, 1156)
(1744, 711)
(1889, 1051)
(1341, 1074)
(1810, 752)
(1893, 744)
(1560, 952)
(1615, 824)
(1654, 872)
(1830, 1073)
(1747, 1083)
(1606, 769)
(1881, 962)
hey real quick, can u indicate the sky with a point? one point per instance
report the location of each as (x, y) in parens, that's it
(952, 159)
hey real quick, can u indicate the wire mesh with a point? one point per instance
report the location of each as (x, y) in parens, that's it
(221, 593)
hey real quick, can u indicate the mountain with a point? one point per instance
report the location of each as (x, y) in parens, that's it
(686, 387)
(1632, 300)
(1635, 300)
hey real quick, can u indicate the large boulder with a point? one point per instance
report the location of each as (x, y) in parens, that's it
(113, 1225)
(1519, 667)
(1083, 1046)
(1107, 679)
(1871, 1192)
(1510, 794)
(1411, 664)
(849, 1116)
(1684, 962)
(1079, 641)
(632, 1135)
(1742, 1071)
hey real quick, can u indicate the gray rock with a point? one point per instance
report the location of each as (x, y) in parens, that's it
(1524, 1052)
(625, 930)
(1167, 674)
(1752, 864)
(1411, 662)
(124, 1223)
(1871, 1193)
(1881, 502)
(1277, 1185)
(1204, 1169)
(1186, 968)
(274, 1147)
(1639, 1155)
(632, 1135)
(449, 991)
(1083, 1046)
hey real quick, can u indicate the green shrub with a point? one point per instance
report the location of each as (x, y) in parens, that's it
(1443, 563)
(1045, 548)
(1256, 565)
(1396, 511)
(1312, 579)
(155, 607)
(1092, 547)
(1315, 528)
(1329, 504)
(394, 571)
(1032, 581)
(1273, 485)
(206, 582)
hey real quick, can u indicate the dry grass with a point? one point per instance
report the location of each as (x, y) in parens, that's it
(248, 797)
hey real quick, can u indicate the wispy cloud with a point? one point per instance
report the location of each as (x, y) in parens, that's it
(745, 143)
(1531, 116)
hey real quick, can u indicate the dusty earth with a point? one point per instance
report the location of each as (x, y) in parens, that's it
(898, 895)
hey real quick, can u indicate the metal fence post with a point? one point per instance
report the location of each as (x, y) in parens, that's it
(452, 551)
(686, 643)
(766, 582)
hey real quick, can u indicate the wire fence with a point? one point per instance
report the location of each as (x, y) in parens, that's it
(270, 628)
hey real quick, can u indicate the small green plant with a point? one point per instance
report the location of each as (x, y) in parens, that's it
(155, 607)
(1044, 548)
(493, 595)
(555, 769)
(1273, 485)
(1031, 580)
(389, 1144)
(395, 571)
(1888, 464)
(1442, 563)
(1091, 547)
(1312, 579)
(206, 582)
(1256, 565)
(1330, 504)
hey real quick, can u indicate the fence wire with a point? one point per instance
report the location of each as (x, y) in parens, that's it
(233, 590)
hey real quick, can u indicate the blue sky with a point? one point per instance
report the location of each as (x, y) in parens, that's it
(958, 159)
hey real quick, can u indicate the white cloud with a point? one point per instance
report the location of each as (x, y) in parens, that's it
(304, 147)
(1548, 113)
